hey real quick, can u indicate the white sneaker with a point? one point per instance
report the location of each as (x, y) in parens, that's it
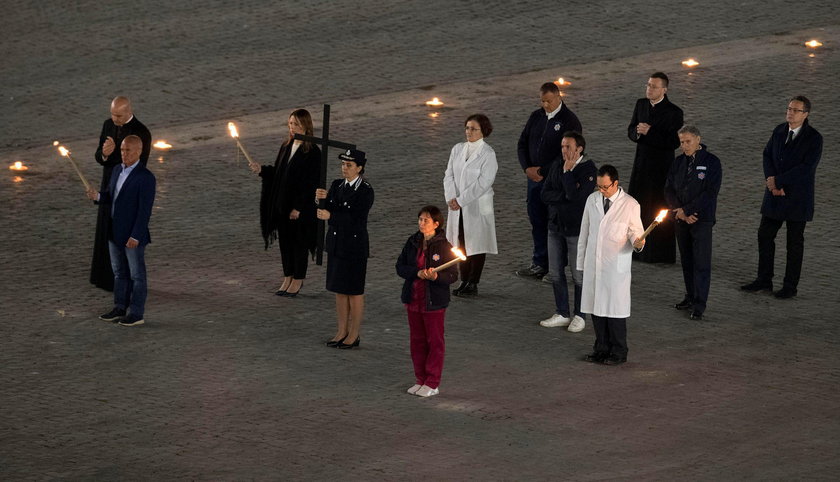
(427, 391)
(577, 324)
(413, 389)
(555, 320)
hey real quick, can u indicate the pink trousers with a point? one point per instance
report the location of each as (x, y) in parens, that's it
(427, 345)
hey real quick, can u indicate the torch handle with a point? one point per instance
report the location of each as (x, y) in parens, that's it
(446, 265)
(242, 148)
(79, 172)
(649, 229)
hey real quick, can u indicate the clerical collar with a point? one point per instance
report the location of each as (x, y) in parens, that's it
(658, 101)
(555, 111)
(129, 119)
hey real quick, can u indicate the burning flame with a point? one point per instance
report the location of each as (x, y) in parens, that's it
(63, 150)
(55, 143)
(562, 81)
(435, 102)
(162, 145)
(232, 128)
(661, 215)
(813, 43)
(18, 166)
(690, 63)
(459, 254)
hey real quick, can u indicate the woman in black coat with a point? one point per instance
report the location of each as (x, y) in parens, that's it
(347, 205)
(425, 294)
(286, 210)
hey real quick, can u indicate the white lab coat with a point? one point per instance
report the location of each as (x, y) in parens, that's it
(470, 182)
(605, 250)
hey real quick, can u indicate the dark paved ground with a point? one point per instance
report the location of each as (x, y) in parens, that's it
(227, 381)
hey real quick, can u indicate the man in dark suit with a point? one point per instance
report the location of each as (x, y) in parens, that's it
(538, 148)
(691, 192)
(790, 165)
(654, 130)
(129, 197)
(122, 123)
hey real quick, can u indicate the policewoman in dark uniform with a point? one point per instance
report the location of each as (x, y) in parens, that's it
(347, 205)
(691, 191)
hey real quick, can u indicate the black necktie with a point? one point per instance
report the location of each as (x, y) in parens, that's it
(790, 137)
(606, 205)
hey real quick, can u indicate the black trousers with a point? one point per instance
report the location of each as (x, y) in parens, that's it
(610, 335)
(767, 231)
(295, 256)
(470, 269)
(695, 244)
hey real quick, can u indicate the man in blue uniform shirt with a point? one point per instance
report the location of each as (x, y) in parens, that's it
(691, 191)
(790, 165)
(538, 148)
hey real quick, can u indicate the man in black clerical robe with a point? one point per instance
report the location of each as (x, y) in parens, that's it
(654, 130)
(121, 125)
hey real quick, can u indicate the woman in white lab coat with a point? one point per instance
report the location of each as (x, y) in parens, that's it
(609, 233)
(468, 188)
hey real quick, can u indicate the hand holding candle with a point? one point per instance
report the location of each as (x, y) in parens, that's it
(659, 218)
(459, 256)
(66, 153)
(235, 134)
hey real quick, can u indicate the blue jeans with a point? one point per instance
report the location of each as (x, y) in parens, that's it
(561, 249)
(538, 215)
(129, 267)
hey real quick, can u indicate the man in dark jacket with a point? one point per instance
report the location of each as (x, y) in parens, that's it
(790, 164)
(564, 191)
(691, 192)
(538, 148)
(654, 130)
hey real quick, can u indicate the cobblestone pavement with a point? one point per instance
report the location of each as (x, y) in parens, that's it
(227, 381)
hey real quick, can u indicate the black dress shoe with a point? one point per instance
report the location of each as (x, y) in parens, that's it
(469, 291)
(785, 293)
(344, 346)
(696, 315)
(614, 360)
(114, 315)
(758, 285)
(596, 357)
(335, 343)
(684, 304)
(460, 288)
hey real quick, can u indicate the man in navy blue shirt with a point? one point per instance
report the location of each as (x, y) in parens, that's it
(539, 147)
(790, 165)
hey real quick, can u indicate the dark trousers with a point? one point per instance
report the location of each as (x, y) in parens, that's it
(767, 249)
(470, 269)
(610, 335)
(538, 215)
(695, 244)
(427, 345)
(294, 255)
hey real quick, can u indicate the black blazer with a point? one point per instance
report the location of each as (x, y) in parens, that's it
(695, 191)
(565, 194)
(132, 208)
(437, 291)
(347, 235)
(794, 166)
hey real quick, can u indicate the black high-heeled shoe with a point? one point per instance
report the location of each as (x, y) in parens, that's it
(335, 343)
(292, 295)
(344, 346)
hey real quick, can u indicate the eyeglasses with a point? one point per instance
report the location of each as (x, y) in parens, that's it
(471, 129)
(604, 188)
(800, 111)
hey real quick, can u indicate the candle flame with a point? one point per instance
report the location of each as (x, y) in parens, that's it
(18, 166)
(55, 143)
(162, 145)
(63, 150)
(435, 102)
(690, 63)
(562, 81)
(661, 215)
(813, 43)
(232, 128)
(459, 254)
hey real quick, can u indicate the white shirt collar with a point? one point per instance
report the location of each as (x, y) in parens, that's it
(658, 101)
(553, 113)
(795, 131)
(352, 182)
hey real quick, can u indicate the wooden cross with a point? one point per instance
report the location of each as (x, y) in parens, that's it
(325, 143)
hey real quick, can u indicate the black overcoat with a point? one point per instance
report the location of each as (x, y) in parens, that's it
(795, 166)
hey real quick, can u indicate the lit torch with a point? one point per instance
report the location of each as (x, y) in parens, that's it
(459, 256)
(18, 166)
(655, 223)
(66, 153)
(235, 134)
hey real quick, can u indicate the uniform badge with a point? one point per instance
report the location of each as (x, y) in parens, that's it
(347, 153)
(556, 127)
(701, 175)
(435, 257)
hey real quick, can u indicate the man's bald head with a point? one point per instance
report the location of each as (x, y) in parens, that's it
(120, 110)
(131, 148)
